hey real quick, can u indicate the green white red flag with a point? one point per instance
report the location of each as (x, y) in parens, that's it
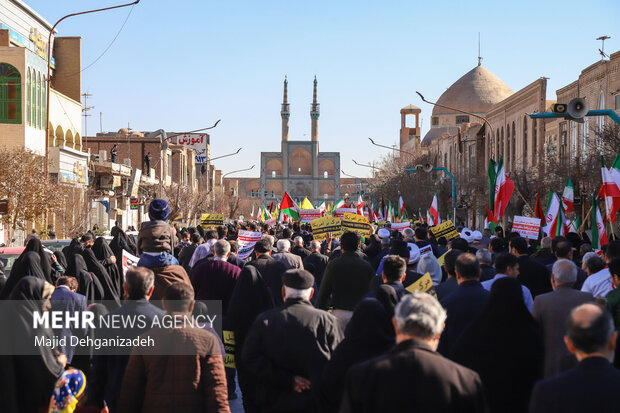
(554, 217)
(599, 234)
(401, 205)
(360, 205)
(502, 190)
(610, 190)
(568, 197)
(434, 210)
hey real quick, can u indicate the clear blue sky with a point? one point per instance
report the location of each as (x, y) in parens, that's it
(181, 65)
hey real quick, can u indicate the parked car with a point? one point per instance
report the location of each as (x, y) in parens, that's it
(8, 255)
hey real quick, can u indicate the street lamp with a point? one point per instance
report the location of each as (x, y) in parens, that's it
(456, 110)
(238, 170)
(49, 81)
(392, 148)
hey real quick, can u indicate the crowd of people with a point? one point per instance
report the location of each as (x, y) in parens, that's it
(508, 324)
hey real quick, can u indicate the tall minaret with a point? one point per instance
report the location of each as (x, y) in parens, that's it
(285, 112)
(314, 115)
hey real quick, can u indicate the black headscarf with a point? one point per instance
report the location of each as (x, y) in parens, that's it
(504, 345)
(110, 291)
(29, 263)
(62, 260)
(103, 252)
(120, 243)
(31, 377)
(70, 249)
(88, 284)
(35, 245)
(369, 334)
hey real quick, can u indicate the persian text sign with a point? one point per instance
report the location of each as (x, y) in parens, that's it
(445, 229)
(308, 215)
(246, 241)
(322, 226)
(423, 284)
(356, 223)
(526, 227)
(339, 212)
(207, 220)
(400, 226)
(197, 142)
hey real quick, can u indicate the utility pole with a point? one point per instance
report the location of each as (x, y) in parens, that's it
(85, 114)
(101, 122)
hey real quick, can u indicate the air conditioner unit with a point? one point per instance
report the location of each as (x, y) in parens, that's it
(96, 158)
(127, 161)
(103, 155)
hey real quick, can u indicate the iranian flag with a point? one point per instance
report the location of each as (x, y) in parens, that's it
(252, 213)
(610, 191)
(360, 205)
(434, 211)
(429, 218)
(388, 216)
(322, 207)
(339, 203)
(568, 197)
(554, 216)
(539, 212)
(259, 214)
(401, 205)
(599, 234)
(287, 207)
(266, 215)
(502, 192)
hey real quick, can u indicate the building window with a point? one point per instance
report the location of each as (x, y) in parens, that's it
(462, 119)
(273, 174)
(573, 139)
(514, 146)
(33, 99)
(525, 141)
(10, 94)
(28, 100)
(325, 174)
(617, 102)
(44, 103)
(38, 99)
(563, 139)
(507, 160)
(496, 154)
(434, 121)
(600, 120)
(501, 153)
(585, 134)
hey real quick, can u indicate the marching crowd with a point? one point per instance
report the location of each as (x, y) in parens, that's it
(393, 321)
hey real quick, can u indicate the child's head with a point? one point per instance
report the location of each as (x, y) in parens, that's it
(159, 210)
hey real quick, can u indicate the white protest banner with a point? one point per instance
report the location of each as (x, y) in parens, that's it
(271, 222)
(196, 141)
(526, 227)
(339, 212)
(129, 260)
(307, 215)
(400, 226)
(246, 241)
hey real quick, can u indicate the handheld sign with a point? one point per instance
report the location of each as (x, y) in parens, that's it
(129, 260)
(424, 284)
(308, 215)
(526, 227)
(229, 347)
(400, 226)
(322, 226)
(246, 241)
(339, 212)
(209, 220)
(445, 229)
(356, 223)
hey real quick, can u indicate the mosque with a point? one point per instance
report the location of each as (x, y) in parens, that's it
(299, 168)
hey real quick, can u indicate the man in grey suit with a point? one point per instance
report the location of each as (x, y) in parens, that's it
(551, 311)
(290, 260)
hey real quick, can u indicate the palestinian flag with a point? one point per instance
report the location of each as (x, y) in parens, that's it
(554, 216)
(610, 191)
(434, 211)
(599, 234)
(287, 207)
(568, 197)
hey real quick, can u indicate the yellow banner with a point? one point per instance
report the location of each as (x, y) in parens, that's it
(445, 229)
(229, 347)
(356, 223)
(442, 259)
(207, 220)
(424, 284)
(324, 225)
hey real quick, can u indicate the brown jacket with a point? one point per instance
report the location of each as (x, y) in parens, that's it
(195, 382)
(164, 276)
(156, 236)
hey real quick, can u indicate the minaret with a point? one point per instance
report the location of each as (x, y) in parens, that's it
(314, 115)
(285, 112)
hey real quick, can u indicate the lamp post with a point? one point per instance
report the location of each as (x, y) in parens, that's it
(48, 79)
(238, 170)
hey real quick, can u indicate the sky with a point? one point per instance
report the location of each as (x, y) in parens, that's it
(182, 65)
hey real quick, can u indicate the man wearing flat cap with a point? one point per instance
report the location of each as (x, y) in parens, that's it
(287, 348)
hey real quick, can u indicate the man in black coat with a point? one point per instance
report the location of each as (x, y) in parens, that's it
(412, 376)
(318, 260)
(532, 274)
(287, 348)
(450, 284)
(107, 370)
(298, 248)
(465, 304)
(270, 269)
(564, 250)
(592, 385)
